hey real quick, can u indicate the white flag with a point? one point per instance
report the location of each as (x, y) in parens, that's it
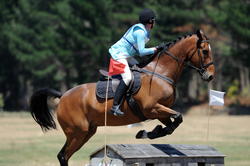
(216, 97)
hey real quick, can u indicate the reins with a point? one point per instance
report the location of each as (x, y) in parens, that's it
(178, 60)
(153, 73)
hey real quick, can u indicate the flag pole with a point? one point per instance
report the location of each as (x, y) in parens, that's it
(216, 98)
(208, 113)
(208, 122)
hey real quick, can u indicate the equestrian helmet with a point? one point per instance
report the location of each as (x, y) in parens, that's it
(147, 16)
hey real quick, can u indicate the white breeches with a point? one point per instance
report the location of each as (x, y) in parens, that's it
(127, 75)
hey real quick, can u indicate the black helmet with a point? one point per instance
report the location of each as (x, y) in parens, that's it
(147, 16)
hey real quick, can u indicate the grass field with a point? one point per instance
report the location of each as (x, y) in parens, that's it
(22, 143)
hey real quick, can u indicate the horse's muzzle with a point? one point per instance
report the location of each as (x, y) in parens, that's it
(206, 76)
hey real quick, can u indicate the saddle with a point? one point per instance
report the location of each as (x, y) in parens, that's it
(101, 88)
(114, 81)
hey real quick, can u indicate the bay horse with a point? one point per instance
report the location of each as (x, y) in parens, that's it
(79, 112)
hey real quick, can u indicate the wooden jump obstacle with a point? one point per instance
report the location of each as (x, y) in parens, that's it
(158, 155)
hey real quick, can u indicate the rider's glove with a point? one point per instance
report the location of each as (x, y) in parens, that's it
(160, 47)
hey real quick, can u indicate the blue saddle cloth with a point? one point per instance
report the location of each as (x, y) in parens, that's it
(101, 87)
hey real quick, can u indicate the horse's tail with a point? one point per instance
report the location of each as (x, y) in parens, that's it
(39, 108)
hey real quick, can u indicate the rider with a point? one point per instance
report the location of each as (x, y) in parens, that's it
(133, 42)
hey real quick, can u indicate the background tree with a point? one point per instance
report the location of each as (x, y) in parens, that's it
(63, 43)
(238, 23)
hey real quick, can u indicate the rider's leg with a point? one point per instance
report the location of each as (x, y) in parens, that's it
(121, 89)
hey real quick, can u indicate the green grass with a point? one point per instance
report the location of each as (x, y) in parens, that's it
(22, 143)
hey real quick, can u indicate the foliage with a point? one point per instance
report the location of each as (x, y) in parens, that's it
(233, 90)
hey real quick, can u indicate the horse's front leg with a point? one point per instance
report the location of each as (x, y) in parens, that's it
(170, 118)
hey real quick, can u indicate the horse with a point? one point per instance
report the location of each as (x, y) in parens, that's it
(79, 111)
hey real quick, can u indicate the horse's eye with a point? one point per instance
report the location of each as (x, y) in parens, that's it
(205, 52)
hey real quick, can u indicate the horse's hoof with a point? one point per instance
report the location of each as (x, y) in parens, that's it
(141, 134)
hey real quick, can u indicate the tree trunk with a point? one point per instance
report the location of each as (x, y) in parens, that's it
(219, 77)
(247, 78)
(193, 86)
(244, 79)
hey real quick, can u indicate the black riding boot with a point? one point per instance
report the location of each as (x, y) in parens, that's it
(119, 93)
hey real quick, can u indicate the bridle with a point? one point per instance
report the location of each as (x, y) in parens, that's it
(202, 69)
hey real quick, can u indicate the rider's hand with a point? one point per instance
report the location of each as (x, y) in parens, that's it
(160, 47)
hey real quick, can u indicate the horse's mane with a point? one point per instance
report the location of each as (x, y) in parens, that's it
(146, 60)
(172, 43)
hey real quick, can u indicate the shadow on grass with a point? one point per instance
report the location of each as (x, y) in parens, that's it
(238, 110)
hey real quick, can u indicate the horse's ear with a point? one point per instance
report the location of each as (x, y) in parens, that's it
(199, 32)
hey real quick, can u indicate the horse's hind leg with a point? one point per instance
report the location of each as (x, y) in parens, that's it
(73, 143)
(76, 138)
(61, 157)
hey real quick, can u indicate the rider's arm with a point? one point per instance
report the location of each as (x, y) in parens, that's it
(140, 39)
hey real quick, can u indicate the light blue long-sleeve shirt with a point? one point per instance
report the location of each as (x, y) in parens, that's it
(132, 43)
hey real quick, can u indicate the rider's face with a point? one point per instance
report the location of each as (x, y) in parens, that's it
(150, 25)
(152, 22)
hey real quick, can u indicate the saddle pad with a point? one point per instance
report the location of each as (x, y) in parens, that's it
(101, 87)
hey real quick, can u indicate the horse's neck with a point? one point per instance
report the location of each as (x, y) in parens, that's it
(167, 65)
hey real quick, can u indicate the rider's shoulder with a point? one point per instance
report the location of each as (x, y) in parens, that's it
(139, 28)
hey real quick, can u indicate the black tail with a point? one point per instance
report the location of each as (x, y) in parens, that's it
(39, 108)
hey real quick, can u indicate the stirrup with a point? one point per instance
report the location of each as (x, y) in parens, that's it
(115, 110)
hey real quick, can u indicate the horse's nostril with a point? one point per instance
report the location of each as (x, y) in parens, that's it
(210, 77)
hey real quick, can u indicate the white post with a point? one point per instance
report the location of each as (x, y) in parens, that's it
(106, 159)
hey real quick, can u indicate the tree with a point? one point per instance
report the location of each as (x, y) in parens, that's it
(238, 24)
(63, 43)
(233, 19)
(52, 44)
(10, 67)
